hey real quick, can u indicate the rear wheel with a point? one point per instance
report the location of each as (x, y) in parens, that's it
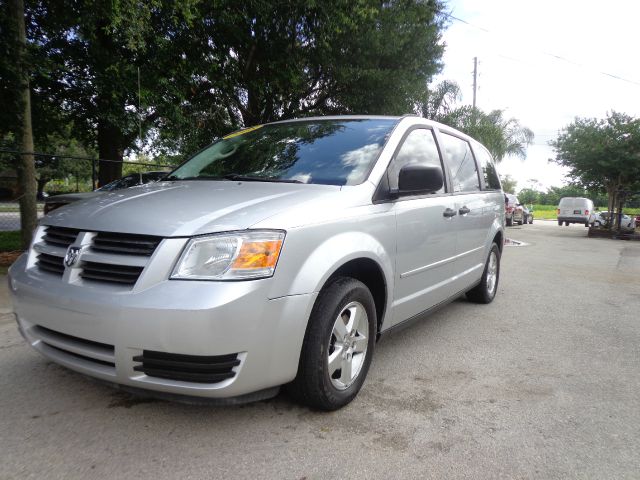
(338, 346)
(531, 220)
(509, 222)
(566, 224)
(486, 290)
(560, 223)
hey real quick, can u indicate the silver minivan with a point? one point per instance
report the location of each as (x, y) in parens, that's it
(276, 256)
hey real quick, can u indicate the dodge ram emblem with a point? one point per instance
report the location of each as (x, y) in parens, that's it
(72, 256)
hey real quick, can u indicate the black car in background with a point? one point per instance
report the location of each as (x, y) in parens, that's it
(131, 180)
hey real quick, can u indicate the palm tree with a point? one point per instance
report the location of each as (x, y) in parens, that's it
(501, 136)
(440, 100)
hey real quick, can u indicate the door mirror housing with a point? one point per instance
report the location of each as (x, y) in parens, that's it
(415, 179)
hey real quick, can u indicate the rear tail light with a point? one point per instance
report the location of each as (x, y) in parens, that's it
(558, 211)
(586, 212)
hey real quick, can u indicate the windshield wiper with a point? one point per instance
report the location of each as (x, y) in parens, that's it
(249, 178)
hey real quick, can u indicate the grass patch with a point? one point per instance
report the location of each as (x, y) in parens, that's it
(10, 241)
(549, 212)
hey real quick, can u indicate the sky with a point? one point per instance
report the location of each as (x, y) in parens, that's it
(544, 63)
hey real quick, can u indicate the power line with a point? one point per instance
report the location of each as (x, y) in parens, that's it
(549, 54)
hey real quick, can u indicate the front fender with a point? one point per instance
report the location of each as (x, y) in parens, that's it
(302, 270)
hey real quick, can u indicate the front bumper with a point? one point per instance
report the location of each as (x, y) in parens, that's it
(100, 333)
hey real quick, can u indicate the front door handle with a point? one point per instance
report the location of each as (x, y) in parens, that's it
(449, 212)
(464, 210)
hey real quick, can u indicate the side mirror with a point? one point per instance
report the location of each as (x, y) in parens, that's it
(415, 178)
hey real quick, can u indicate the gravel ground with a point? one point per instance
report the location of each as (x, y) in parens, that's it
(543, 383)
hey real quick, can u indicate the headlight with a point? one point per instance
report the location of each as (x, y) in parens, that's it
(230, 256)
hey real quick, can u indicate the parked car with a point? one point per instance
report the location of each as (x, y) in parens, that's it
(133, 179)
(575, 210)
(514, 212)
(527, 213)
(276, 256)
(627, 224)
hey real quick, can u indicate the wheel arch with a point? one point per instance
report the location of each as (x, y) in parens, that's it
(369, 272)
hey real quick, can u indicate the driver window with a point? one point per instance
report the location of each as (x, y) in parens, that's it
(419, 147)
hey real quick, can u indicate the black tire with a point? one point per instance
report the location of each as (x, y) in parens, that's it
(313, 385)
(559, 223)
(566, 224)
(531, 220)
(509, 222)
(483, 293)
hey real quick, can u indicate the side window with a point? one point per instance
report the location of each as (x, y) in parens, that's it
(418, 147)
(491, 180)
(464, 173)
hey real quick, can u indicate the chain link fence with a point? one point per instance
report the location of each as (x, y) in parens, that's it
(62, 174)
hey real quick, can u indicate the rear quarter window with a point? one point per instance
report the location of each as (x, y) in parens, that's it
(464, 173)
(487, 169)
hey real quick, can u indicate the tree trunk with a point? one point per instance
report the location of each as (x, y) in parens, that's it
(110, 147)
(25, 165)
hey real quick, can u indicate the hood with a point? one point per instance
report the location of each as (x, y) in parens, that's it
(185, 208)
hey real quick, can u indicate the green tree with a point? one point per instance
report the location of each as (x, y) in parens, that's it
(86, 59)
(272, 61)
(174, 75)
(508, 184)
(602, 154)
(529, 196)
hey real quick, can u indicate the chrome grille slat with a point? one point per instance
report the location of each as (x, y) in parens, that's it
(122, 243)
(50, 263)
(60, 236)
(111, 273)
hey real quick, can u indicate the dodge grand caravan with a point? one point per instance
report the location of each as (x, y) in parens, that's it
(276, 256)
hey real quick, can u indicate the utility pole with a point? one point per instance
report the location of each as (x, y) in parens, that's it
(475, 79)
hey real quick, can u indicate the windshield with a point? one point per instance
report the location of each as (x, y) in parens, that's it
(331, 152)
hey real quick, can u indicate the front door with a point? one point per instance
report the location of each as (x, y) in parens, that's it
(426, 234)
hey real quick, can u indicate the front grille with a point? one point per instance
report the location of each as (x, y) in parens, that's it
(106, 272)
(123, 243)
(50, 263)
(187, 368)
(76, 350)
(59, 236)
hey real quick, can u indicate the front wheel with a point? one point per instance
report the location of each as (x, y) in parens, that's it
(486, 290)
(338, 346)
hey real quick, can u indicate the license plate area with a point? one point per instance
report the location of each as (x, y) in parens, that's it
(577, 212)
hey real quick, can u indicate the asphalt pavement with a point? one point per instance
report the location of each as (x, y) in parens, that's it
(544, 383)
